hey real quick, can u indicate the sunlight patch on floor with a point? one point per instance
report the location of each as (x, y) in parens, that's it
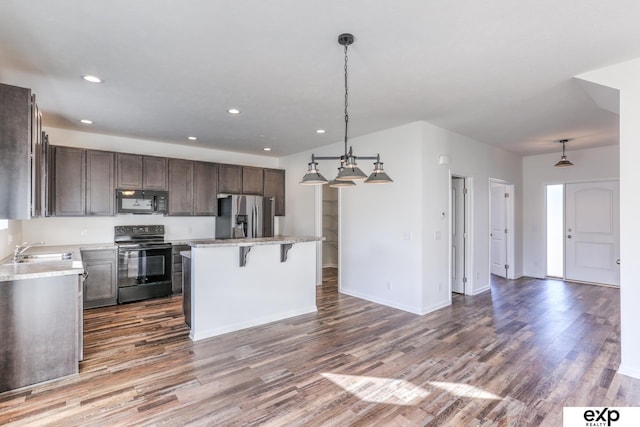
(379, 390)
(401, 392)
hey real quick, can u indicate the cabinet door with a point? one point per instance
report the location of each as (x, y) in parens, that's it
(100, 285)
(70, 181)
(176, 282)
(180, 187)
(154, 173)
(274, 187)
(205, 189)
(100, 179)
(230, 179)
(252, 181)
(14, 152)
(129, 171)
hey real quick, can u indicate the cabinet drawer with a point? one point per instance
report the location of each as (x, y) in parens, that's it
(98, 254)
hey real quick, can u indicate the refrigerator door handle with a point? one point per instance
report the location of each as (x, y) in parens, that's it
(255, 221)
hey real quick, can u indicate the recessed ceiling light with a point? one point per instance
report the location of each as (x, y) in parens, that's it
(233, 111)
(267, 149)
(86, 122)
(92, 79)
(320, 131)
(192, 138)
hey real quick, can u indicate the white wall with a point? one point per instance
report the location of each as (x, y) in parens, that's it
(85, 230)
(100, 229)
(10, 237)
(595, 164)
(481, 162)
(624, 77)
(389, 252)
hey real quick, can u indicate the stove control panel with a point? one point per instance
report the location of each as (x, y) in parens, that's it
(138, 230)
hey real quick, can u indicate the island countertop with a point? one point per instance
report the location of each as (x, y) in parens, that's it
(277, 240)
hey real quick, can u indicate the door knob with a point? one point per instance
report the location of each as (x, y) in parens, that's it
(618, 261)
(569, 236)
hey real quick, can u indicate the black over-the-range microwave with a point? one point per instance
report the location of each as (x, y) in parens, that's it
(142, 202)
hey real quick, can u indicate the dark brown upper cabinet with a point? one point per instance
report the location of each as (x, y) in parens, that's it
(252, 181)
(274, 187)
(70, 181)
(137, 172)
(180, 187)
(205, 189)
(100, 179)
(83, 182)
(193, 188)
(19, 150)
(154, 173)
(229, 179)
(128, 171)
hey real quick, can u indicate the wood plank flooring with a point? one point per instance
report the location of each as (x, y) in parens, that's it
(510, 357)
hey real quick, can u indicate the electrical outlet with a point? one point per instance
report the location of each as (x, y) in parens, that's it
(439, 286)
(389, 285)
(189, 230)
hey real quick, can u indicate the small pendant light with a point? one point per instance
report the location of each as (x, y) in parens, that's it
(564, 162)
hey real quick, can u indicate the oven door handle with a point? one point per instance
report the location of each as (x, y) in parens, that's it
(135, 248)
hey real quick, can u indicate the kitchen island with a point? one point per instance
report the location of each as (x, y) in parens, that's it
(239, 283)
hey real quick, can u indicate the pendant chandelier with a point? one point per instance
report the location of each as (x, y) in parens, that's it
(348, 171)
(564, 162)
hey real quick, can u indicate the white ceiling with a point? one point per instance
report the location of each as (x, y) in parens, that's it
(499, 71)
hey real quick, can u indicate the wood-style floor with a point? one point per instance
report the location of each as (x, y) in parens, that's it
(512, 356)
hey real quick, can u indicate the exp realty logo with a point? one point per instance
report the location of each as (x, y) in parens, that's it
(600, 417)
(603, 417)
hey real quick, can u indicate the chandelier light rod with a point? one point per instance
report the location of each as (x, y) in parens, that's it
(348, 170)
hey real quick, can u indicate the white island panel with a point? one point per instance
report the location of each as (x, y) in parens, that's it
(226, 297)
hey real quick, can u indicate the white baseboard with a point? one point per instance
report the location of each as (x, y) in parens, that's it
(200, 335)
(410, 309)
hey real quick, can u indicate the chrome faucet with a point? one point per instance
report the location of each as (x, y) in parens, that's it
(19, 250)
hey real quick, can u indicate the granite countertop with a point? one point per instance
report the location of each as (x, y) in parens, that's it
(278, 240)
(31, 270)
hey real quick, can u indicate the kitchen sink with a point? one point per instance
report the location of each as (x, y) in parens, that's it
(57, 256)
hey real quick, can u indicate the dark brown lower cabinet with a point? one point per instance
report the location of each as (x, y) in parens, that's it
(186, 293)
(41, 331)
(176, 271)
(101, 282)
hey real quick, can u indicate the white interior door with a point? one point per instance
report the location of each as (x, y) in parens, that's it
(457, 235)
(498, 229)
(592, 239)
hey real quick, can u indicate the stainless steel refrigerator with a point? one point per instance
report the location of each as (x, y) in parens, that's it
(244, 216)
